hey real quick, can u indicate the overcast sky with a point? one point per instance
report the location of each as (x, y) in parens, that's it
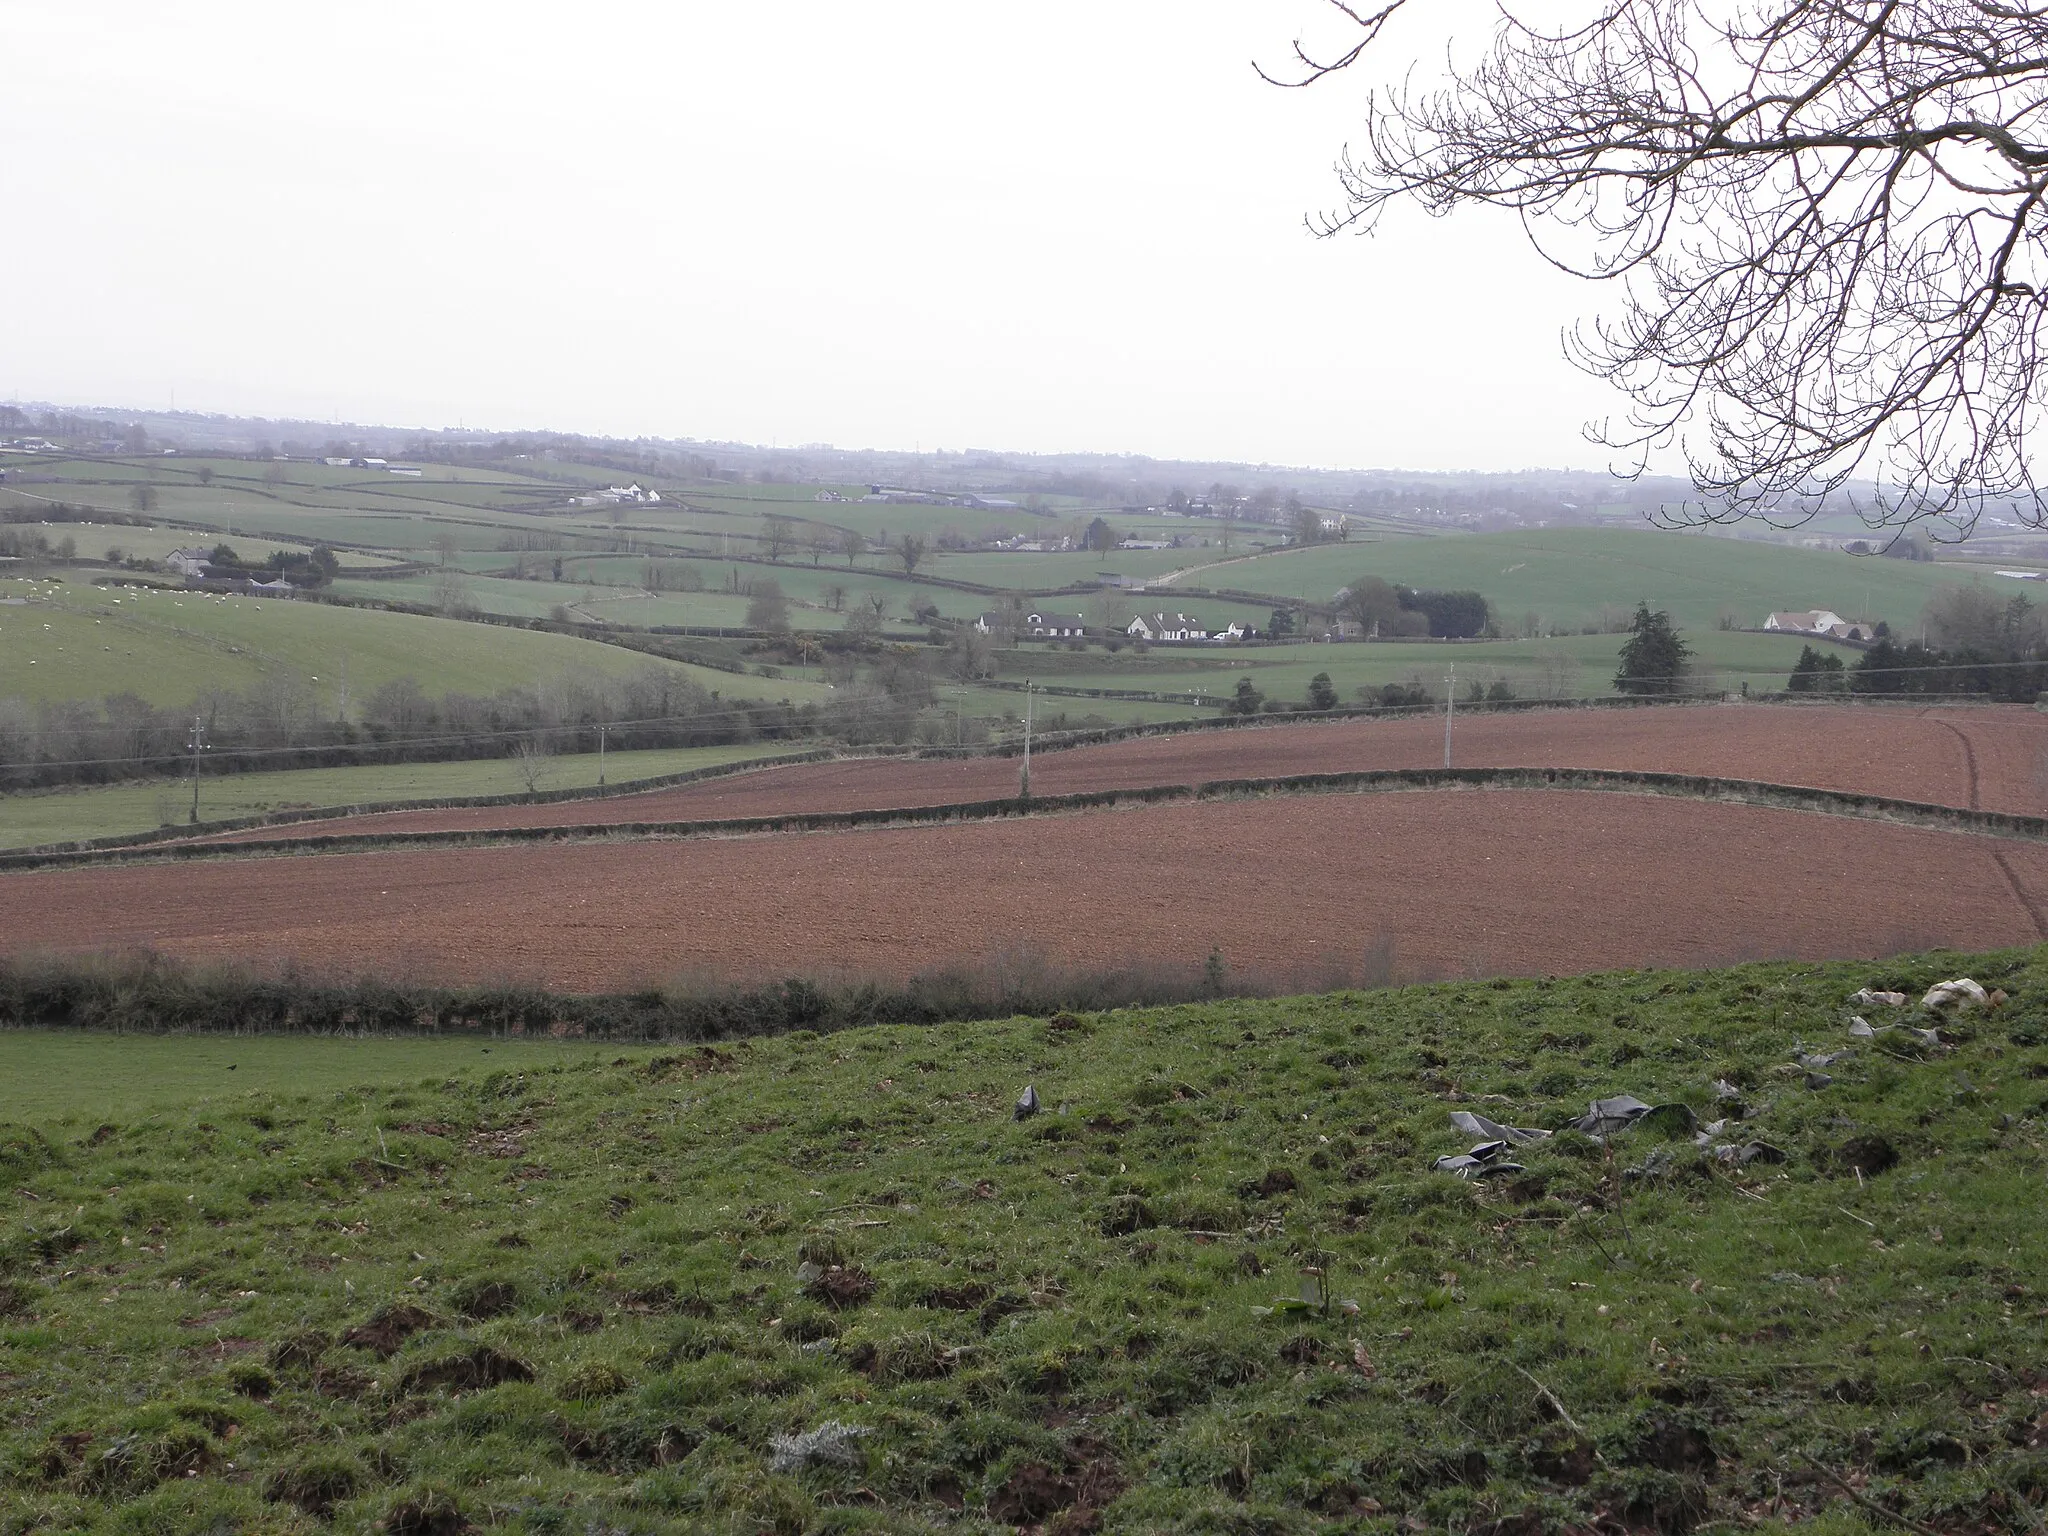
(1074, 225)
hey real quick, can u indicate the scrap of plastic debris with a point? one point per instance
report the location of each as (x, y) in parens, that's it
(1493, 1130)
(1606, 1116)
(1482, 1162)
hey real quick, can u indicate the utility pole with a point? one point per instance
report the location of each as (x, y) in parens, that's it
(198, 745)
(1450, 707)
(600, 757)
(1024, 784)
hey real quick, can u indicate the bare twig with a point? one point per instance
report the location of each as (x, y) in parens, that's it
(1564, 1414)
(1869, 1503)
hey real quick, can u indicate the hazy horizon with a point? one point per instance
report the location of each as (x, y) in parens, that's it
(908, 228)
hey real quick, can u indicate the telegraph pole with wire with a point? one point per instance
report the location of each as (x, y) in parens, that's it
(1450, 707)
(600, 757)
(198, 745)
(1024, 782)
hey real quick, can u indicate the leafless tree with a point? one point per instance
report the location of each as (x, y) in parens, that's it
(819, 542)
(767, 608)
(779, 534)
(1974, 618)
(452, 595)
(1828, 220)
(852, 544)
(533, 763)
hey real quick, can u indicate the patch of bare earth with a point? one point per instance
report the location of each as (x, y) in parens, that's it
(1461, 882)
(1899, 752)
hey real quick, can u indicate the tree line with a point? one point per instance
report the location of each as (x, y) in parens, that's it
(286, 721)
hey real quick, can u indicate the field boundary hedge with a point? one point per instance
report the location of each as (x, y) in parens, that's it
(1755, 792)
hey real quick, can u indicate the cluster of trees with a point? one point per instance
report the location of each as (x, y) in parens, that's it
(1975, 642)
(1387, 612)
(1916, 668)
(299, 567)
(1817, 672)
(1322, 695)
(288, 721)
(34, 544)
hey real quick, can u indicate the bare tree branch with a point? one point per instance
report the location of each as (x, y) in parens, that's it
(1827, 219)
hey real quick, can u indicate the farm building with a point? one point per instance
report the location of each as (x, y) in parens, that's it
(194, 563)
(1160, 627)
(1055, 626)
(1821, 621)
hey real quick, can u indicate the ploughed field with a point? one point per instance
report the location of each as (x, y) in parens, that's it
(1987, 758)
(1299, 887)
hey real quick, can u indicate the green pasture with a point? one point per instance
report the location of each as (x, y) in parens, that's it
(1022, 572)
(1004, 707)
(1570, 577)
(115, 810)
(76, 1075)
(490, 594)
(1569, 666)
(166, 647)
(1216, 1284)
(93, 540)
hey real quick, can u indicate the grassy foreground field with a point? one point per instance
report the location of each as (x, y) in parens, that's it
(830, 1284)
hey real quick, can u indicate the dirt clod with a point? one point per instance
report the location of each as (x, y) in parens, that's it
(1672, 1445)
(481, 1366)
(841, 1286)
(1867, 1155)
(387, 1329)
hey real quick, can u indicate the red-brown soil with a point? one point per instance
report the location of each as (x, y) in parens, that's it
(1461, 881)
(1907, 754)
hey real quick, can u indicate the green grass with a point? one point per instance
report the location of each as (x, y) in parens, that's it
(1039, 573)
(69, 815)
(73, 1075)
(83, 642)
(1571, 576)
(1215, 1286)
(1585, 664)
(92, 541)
